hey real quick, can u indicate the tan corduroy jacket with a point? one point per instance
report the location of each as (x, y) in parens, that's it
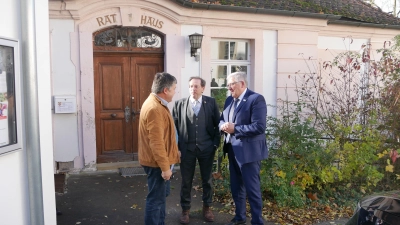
(157, 140)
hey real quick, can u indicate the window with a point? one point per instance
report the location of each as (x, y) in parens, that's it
(10, 126)
(227, 56)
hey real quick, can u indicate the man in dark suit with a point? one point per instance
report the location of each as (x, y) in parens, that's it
(243, 122)
(196, 120)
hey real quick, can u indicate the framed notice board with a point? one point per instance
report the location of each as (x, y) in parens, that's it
(10, 100)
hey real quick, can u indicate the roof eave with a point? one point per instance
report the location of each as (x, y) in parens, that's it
(363, 24)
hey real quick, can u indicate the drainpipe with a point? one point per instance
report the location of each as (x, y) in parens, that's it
(31, 111)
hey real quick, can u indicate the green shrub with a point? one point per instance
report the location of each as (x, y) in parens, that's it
(297, 157)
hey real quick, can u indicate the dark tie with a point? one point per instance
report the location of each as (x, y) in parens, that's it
(230, 119)
(233, 107)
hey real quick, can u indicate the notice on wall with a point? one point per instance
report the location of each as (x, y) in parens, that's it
(65, 107)
(65, 104)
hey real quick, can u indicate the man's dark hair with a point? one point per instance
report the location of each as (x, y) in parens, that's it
(161, 81)
(202, 83)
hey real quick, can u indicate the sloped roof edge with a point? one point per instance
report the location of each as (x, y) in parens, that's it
(332, 19)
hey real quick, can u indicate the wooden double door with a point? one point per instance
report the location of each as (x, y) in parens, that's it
(122, 82)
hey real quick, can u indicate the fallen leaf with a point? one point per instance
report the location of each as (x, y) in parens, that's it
(389, 168)
(312, 196)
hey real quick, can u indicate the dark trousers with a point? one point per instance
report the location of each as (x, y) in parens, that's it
(245, 179)
(158, 189)
(187, 167)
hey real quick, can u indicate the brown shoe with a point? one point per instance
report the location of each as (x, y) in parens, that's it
(207, 214)
(184, 217)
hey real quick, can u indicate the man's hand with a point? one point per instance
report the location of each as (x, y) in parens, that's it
(166, 175)
(228, 128)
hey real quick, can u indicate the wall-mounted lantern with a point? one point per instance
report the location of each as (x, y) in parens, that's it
(195, 43)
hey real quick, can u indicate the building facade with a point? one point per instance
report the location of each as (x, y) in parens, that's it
(104, 54)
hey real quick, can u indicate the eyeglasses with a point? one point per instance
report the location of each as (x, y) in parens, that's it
(231, 84)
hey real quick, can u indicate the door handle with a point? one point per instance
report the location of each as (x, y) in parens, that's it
(113, 115)
(127, 114)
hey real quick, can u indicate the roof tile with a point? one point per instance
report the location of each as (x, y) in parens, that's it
(352, 10)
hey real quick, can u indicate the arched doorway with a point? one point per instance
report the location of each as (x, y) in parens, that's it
(125, 62)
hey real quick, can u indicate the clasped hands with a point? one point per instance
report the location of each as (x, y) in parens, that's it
(228, 128)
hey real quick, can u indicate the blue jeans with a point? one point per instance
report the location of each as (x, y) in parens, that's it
(156, 198)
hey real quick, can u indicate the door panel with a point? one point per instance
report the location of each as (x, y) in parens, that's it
(122, 83)
(113, 134)
(112, 78)
(143, 71)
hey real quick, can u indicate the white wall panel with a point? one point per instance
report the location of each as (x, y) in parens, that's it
(63, 78)
(191, 67)
(270, 70)
(45, 122)
(14, 203)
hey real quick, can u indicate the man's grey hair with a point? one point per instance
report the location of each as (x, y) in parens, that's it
(161, 81)
(238, 76)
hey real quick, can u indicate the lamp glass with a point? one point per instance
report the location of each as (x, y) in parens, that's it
(195, 40)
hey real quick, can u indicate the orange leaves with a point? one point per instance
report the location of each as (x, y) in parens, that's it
(217, 176)
(327, 209)
(312, 196)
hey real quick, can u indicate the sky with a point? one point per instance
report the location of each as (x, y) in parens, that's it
(387, 5)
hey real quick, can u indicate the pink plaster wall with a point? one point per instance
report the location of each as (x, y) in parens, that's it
(297, 39)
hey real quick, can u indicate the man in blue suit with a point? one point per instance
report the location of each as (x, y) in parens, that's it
(243, 123)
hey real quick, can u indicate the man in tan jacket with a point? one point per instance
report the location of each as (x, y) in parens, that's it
(158, 149)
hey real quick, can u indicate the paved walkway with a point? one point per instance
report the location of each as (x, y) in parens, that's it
(105, 197)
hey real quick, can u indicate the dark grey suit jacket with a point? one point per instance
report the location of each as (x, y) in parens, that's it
(210, 107)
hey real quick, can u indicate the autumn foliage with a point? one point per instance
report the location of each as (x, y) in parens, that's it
(340, 140)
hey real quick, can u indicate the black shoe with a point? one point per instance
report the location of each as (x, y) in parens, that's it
(236, 222)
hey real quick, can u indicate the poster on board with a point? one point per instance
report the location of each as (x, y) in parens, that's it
(8, 128)
(3, 109)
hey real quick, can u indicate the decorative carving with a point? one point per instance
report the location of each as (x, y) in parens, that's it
(128, 38)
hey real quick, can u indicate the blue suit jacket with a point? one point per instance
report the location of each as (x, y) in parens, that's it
(248, 141)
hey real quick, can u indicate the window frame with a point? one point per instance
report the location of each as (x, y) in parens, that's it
(14, 44)
(229, 63)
